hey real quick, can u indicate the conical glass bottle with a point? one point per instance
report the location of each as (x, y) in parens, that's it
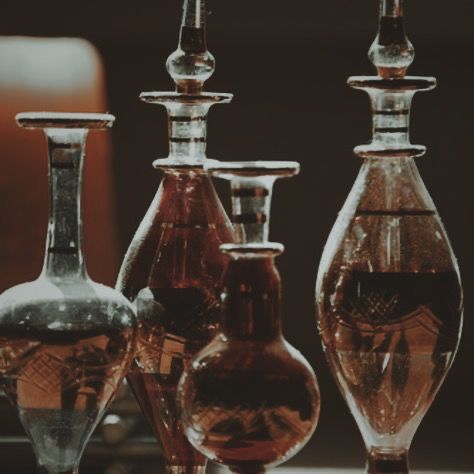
(388, 292)
(173, 268)
(249, 400)
(65, 341)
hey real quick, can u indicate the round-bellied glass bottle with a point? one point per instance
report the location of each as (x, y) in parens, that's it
(250, 400)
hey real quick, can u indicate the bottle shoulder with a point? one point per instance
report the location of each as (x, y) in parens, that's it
(268, 357)
(65, 304)
(177, 243)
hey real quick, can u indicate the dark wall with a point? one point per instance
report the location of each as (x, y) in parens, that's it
(287, 63)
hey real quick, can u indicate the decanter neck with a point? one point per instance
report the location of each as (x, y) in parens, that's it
(187, 129)
(64, 256)
(391, 119)
(251, 299)
(391, 8)
(391, 101)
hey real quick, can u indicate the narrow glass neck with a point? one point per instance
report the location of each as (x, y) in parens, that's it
(381, 462)
(391, 119)
(391, 8)
(64, 257)
(187, 132)
(192, 37)
(251, 202)
(252, 299)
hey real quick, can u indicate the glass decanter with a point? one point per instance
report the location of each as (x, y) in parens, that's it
(388, 291)
(249, 400)
(65, 342)
(173, 268)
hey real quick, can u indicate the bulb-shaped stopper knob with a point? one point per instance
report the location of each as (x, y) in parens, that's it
(251, 190)
(391, 52)
(191, 64)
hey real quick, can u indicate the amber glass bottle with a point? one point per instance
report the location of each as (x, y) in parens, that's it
(249, 399)
(173, 268)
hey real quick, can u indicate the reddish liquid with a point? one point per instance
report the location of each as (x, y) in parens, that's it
(173, 270)
(62, 382)
(251, 400)
(249, 411)
(167, 340)
(390, 339)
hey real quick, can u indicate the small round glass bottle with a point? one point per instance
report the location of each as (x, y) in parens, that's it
(65, 342)
(250, 400)
(388, 292)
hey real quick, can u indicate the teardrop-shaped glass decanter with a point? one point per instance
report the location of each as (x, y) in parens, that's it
(65, 342)
(388, 291)
(249, 400)
(173, 268)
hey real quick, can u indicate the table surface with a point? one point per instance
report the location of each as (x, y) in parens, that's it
(322, 470)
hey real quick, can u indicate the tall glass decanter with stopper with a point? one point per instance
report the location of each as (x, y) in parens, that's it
(65, 342)
(388, 291)
(249, 400)
(173, 268)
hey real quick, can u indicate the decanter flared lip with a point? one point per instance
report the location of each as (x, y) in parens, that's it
(375, 150)
(254, 249)
(407, 83)
(253, 168)
(42, 120)
(188, 99)
(174, 163)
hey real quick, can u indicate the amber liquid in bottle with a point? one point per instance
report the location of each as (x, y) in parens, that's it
(390, 338)
(255, 399)
(173, 271)
(185, 322)
(61, 382)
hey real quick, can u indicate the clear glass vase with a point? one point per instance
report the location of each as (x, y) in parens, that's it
(65, 341)
(388, 292)
(249, 399)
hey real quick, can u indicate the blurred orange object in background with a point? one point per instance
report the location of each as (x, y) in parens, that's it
(52, 74)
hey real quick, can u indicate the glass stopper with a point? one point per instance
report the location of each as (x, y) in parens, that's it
(391, 52)
(191, 64)
(251, 191)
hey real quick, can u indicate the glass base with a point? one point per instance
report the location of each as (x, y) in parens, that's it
(44, 470)
(185, 469)
(387, 462)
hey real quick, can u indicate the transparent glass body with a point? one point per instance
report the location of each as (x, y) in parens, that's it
(65, 341)
(249, 399)
(173, 272)
(390, 303)
(388, 292)
(173, 268)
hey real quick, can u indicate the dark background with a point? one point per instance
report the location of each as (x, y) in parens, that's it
(287, 63)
